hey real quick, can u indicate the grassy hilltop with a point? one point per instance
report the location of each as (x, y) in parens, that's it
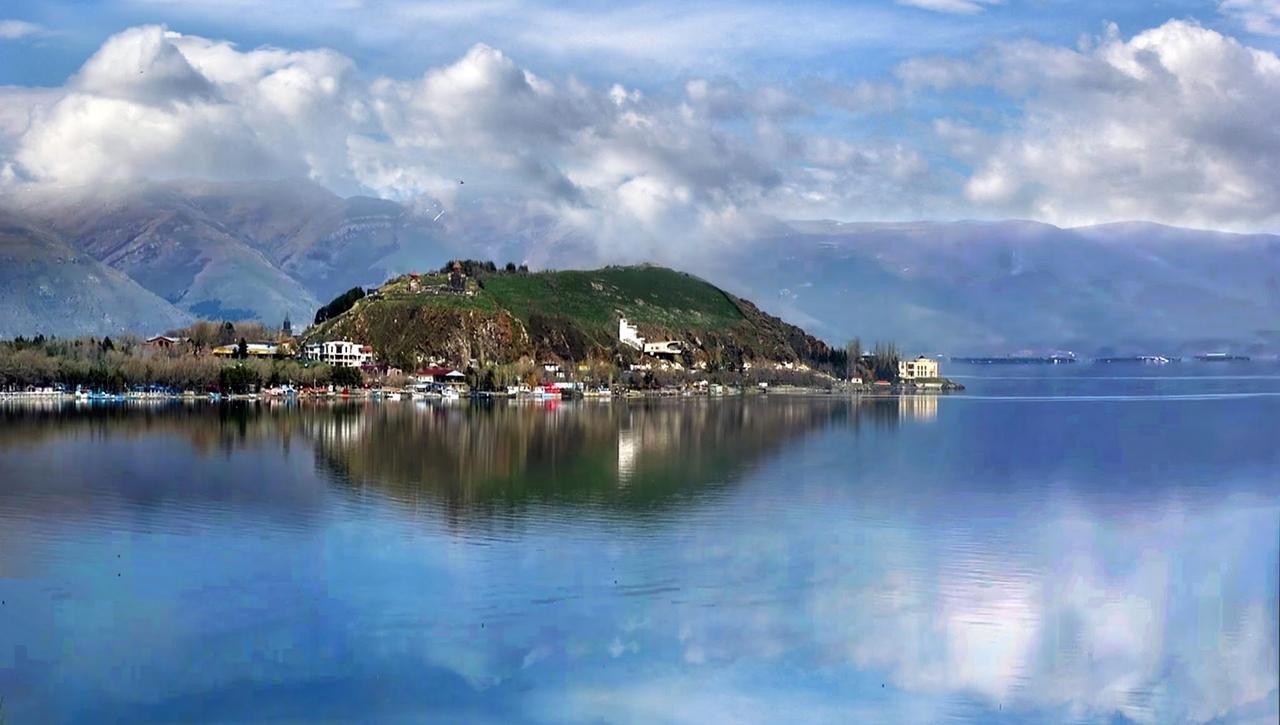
(566, 315)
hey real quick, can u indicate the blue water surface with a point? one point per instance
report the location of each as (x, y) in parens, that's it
(1056, 544)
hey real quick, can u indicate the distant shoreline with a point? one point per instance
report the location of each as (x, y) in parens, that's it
(394, 397)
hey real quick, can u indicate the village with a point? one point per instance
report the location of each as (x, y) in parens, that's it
(279, 365)
(249, 360)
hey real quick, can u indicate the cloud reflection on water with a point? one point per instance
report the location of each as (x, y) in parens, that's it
(786, 560)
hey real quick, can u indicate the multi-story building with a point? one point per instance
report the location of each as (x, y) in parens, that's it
(629, 335)
(918, 369)
(340, 352)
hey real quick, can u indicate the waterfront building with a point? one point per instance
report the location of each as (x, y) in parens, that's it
(441, 376)
(920, 368)
(343, 353)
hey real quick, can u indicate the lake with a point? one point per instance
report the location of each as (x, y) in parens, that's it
(1057, 544)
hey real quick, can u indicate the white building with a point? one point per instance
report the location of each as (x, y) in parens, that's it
(343, 353)
(629, 335)
(921, 367)
(666, 347)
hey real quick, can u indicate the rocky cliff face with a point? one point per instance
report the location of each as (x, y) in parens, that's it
(410, 336)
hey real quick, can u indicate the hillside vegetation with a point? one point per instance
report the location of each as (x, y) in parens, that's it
(644, 295)
(505, 316)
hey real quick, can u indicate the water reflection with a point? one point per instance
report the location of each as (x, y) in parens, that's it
(885, 560)
(922, 407)
(635, 455)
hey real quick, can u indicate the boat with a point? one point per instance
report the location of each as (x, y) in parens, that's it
(1221, 357)
(1143, 359)
(450, 394)
(546, 392)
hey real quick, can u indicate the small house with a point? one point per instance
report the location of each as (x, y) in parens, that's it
(440, 376)
(164, 341)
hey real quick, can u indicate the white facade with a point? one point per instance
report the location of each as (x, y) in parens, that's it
(667, 347)
(342, 353)
(629, 335)
(921, 367)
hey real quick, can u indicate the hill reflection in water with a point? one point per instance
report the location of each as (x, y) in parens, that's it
(633, 455)
(817, 560)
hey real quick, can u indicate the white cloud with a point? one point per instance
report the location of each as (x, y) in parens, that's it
(155, 104)
(1257, 16)
(710, 36)
(959, 7)
(629, 171)
(1172, 125)
(1175, 124)
(15, 29)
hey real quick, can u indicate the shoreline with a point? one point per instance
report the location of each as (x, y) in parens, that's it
(392, 397)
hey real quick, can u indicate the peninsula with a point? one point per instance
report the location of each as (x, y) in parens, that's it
(482, 328)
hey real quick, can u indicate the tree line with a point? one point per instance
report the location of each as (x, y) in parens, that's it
(126, 363)
(881, 363)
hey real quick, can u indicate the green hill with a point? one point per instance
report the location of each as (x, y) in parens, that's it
(504, 316)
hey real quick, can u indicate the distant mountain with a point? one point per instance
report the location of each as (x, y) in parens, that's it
(996, 287)
(260, 250)
(325, 242)
(46, 287)
(569, 316)
(256, 250)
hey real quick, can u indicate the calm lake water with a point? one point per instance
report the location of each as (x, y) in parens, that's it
(1079, 543)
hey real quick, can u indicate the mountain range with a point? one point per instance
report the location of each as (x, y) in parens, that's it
(146, 257)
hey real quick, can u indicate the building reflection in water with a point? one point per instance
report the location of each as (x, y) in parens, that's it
(922, 408)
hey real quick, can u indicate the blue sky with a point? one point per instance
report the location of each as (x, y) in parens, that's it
(861, 40)
(731, 112)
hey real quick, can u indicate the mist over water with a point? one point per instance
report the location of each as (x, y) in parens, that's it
(1052, 545)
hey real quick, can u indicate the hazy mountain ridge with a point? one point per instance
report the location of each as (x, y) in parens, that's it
(982, 287)
(47, 287)
(266, 248)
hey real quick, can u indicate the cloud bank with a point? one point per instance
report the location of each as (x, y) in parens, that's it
(15, 29)
(1174, 124)
(1257, 16)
